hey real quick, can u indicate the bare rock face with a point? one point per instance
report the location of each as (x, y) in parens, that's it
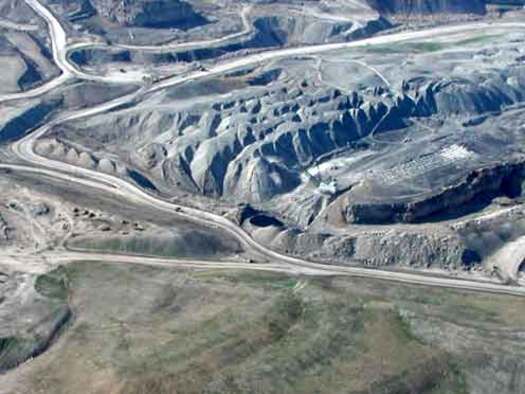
(502, 179)
(378, 249)
(254, 147)
(428, 6)
(150, 13)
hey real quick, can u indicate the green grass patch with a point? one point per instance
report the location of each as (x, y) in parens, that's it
(13, 351)
(259, 279)
(416, 47)
(214, 331)
(286, 311)
(486, 38)
(53, 284)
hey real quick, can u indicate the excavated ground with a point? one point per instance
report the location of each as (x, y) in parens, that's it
(349, 153)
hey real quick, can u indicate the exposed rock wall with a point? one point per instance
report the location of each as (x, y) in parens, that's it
(149, 13)
(254, 147)
(406, 247)
(428, 6)
(504, 179)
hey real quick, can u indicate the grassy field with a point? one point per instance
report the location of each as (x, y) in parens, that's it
(416, 47)
(151, 330)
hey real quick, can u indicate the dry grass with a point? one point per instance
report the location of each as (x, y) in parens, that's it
(145, 330)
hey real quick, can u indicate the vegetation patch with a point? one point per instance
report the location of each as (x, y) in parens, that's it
(413, 47)
(145, 329)
(53, 284)
(478, 40)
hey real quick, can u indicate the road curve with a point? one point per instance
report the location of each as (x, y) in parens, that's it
(279, 262)
(60, 57)
(61, 50)
(246, 31)
(24, 148)
(36, 92)
(263, 57)
(58, 44)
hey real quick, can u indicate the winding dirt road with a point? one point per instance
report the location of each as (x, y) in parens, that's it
(61, 51)
(246, 31)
